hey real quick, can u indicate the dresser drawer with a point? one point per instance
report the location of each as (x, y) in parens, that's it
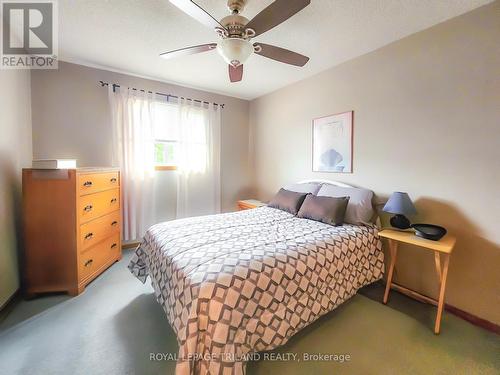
(96, 230)
(93, 259)
(95, 205)
(92, 183)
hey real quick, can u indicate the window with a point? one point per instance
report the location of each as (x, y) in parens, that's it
(165, 153)
(180, 136)
(166, 134)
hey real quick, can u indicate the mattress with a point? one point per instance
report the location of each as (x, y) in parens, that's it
(237, 283)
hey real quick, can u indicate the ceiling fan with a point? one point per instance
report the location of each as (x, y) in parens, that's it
(236, 33)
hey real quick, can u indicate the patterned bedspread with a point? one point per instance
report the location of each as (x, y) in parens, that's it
(236, 283)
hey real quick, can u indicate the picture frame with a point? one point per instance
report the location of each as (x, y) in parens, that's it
(332, 143)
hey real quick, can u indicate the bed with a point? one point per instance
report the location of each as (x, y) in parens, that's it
(238, 283)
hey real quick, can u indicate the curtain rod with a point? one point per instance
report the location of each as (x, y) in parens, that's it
(115, 85)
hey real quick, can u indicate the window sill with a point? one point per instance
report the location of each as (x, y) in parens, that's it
(166, 167)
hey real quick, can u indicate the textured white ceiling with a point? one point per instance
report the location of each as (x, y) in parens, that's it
(128, 35)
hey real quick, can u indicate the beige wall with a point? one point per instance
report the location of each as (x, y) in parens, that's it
(15, 153)
(71, 120)
(427, 121)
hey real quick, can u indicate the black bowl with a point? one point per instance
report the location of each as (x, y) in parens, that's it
(429, 231)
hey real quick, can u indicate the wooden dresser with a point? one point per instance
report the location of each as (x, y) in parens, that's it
(72, 227)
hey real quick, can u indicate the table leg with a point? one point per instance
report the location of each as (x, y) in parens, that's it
(437, 260)
(443, 273)
(393, 249)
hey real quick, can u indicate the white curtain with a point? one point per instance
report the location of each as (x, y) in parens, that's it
(198, 187)
(132, 114)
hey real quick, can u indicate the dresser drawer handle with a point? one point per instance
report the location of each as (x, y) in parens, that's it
(88, 236)
(114, 223)
(113, 180)
(113, 200)
(113, 246)
(87, 183)
(88, 208)
(88, 262)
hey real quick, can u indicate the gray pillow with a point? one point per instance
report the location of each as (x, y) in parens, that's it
(328, 210)
(308, 187)
(288, 201)
(359, 209)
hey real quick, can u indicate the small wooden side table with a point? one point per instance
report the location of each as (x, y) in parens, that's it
(442, 251)
(247, 204)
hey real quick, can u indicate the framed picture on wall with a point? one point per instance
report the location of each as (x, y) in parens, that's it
(332, 143)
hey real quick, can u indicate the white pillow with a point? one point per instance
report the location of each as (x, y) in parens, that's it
(306, 188)
(359, 209)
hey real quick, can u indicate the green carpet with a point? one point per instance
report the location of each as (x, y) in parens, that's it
(114, 326)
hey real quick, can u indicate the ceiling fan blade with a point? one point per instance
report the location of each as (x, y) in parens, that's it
(189, 50)
(198, 13)
(235, 74)
(280, 54)
(276, 13)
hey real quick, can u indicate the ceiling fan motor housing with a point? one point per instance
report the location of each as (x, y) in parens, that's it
(235, 26)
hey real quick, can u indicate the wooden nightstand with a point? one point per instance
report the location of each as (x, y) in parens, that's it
(442, 250)
(249, 203)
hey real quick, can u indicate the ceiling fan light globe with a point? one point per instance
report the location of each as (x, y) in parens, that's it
(235, 51)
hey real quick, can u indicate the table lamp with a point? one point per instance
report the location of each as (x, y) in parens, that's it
(400, 204)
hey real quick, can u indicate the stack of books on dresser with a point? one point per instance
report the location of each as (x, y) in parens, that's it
(54, 164)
